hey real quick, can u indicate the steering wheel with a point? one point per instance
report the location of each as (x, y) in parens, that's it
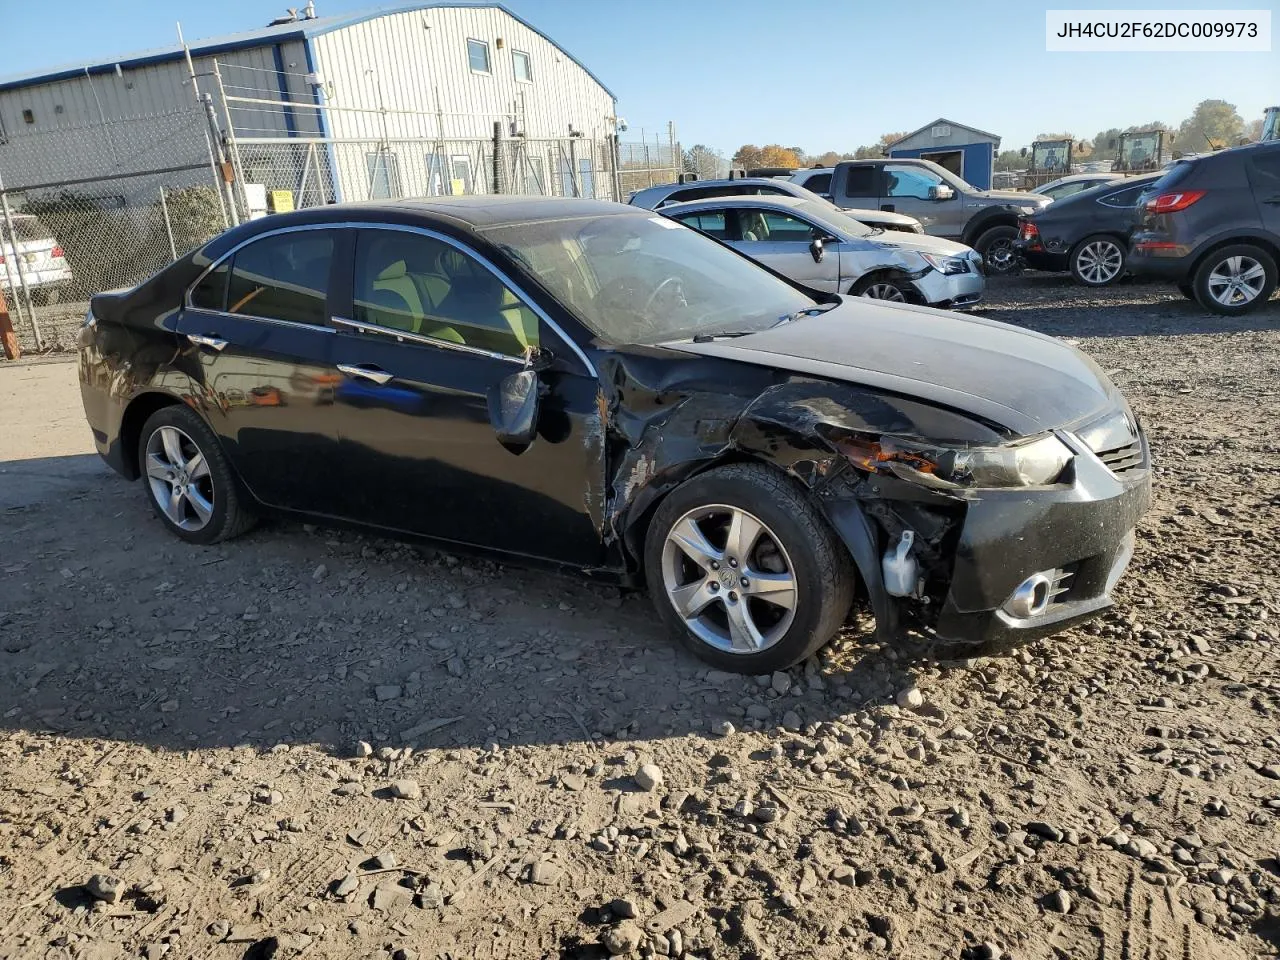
(675, 283)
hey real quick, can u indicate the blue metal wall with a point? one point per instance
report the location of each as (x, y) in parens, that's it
(979, 160)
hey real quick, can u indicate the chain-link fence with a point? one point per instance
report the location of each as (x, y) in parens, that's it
(68, 230)
(313, 171)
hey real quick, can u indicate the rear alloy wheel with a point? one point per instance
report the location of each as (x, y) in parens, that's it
(188, 479)
(1235, 280)
(745, 570)
(1098, 261)
(998, 253)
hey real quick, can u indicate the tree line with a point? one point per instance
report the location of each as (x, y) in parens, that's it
(1213, 124)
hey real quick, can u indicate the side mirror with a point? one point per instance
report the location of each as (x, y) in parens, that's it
(941, 192)
(513, 409)
(816, 249)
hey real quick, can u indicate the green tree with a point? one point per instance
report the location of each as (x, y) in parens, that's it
(1010, 160)
(707, 162)
(1213, 124)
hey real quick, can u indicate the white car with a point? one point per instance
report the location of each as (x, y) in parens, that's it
(825, 249)
(44, 266)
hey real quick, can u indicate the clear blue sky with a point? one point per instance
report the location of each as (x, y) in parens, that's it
(818, 74)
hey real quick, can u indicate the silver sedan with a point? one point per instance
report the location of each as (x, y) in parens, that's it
(818, 246)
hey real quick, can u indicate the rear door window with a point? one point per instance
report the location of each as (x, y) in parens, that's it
(1264, 174)
(819, 183)
(1123, 198)
(862, 183)
(713, 223)
(284, 277)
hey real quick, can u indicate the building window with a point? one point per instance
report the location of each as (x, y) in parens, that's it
(478, 56)
(522, 65)
(28, 116)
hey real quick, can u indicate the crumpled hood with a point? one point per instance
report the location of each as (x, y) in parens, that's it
(921, 243)
(1026, 382)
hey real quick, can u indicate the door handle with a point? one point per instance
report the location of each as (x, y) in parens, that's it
(887, 207)
(213, 343)
(365, 373)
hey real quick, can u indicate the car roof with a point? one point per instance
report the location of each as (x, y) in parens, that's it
(477, 212)
(750, 200)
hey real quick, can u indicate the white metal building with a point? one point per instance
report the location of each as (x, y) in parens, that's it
(402, 75)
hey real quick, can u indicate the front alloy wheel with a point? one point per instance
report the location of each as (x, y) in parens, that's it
(729, 579)
(745, 570)
(884, 290)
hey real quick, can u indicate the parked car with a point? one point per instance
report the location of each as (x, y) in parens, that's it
(43, 267)
(1086, 234)
(815, 179)
(1212, 225)
(600, 388)
(1065, 187)
(815, 244)
(986, 220)
(654, 198)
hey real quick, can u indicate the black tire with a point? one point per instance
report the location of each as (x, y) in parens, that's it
(228, 517)
(873, 281)
(1095, 257)
(819, 564)
(996, 246)
(1187, 289)
(1204, 275)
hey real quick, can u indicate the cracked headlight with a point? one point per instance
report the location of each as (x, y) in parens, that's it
(1028, 463)
(947, 266)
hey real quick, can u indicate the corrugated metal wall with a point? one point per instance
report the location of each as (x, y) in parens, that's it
(400, 61)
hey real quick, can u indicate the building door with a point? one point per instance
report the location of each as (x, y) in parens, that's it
(952, 160)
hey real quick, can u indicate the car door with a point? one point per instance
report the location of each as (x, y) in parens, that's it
(431, 329)
(262, 353)
(860, 189)
(782, 240)
(906, 188)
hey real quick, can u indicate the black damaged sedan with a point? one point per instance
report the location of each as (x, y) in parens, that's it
(591, 386)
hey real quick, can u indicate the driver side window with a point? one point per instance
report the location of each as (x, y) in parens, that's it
(417, 284)
(904, 181)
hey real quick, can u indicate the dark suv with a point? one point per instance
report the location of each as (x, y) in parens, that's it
(1212, 225)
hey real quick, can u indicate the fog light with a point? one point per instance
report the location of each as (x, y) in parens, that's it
(1032, 597)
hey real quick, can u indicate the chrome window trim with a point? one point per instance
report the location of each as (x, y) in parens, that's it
(403, 228)
(404, 336)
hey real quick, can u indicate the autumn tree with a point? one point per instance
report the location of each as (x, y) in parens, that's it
(1212, 125)
(770, 155)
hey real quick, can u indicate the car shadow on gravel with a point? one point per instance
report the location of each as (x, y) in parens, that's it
(1055, 304)
(111, 628)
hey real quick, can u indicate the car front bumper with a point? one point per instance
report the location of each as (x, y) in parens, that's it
(956, 290)
(1079, 537)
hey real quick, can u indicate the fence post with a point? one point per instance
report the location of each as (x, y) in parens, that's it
(615, 158)
(499, 170)
(8, 338)
(22, 274)
(168, 227)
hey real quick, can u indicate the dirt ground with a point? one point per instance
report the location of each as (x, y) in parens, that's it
(313, 743)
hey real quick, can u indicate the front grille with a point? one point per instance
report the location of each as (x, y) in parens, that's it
(1123, 459)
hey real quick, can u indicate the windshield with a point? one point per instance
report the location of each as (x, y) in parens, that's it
(634, 279)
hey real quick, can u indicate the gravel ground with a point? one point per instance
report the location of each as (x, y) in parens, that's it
(314, 743)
